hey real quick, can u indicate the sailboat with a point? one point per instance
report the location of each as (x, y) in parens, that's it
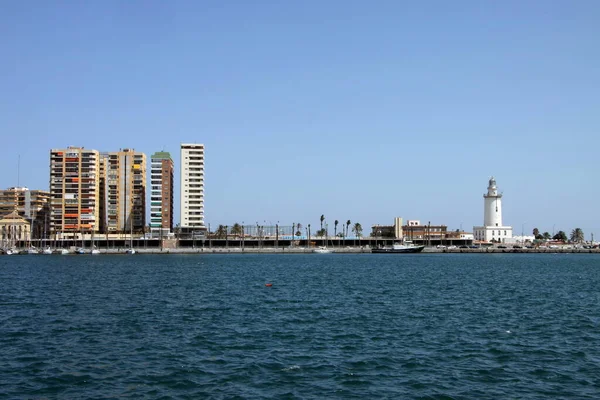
(81, 250)
(94, 250)
(47, 250)
(130, 250)
(323, 249)
(31, 249)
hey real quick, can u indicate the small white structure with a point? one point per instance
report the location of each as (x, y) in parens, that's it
(492, 229)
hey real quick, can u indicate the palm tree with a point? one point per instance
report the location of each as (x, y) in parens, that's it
(335, 224)
(221, 231)
(357, 229)
(561, 235)
(347, 225)
(536, 232)
(236, 229)
(546, 235)
(308, 235)
(322, 219)
(577, 235)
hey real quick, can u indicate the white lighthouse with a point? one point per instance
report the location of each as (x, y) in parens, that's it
(492, 230)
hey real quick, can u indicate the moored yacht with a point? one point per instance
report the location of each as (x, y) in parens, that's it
(404, 247)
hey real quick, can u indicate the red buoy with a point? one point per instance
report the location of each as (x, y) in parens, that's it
(268, 284)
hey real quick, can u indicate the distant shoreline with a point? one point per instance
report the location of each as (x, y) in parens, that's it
(351, 250)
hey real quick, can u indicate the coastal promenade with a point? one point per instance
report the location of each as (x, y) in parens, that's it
(343, 250)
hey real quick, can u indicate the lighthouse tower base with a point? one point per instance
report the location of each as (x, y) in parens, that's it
(497, 234)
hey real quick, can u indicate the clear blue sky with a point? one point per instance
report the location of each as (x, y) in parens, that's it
(357, 110)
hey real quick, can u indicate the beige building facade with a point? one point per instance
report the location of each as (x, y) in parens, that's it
(124, 191)
(74, 191)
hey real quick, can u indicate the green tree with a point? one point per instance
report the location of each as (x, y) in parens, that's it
(577, 235)
(322, 219)
(546, 236)
(347, 226)
(221, 231)
(236, 229)
(560, 236)
(536, 232)
(357, 229)
(335, 224)
(320, 232)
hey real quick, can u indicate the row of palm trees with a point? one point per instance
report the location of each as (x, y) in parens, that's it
(577, 235)
(356, 228)
(237, 230)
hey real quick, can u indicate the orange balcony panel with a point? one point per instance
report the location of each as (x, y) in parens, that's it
(71, 215)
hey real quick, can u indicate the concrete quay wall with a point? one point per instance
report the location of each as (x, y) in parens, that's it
(343, 250)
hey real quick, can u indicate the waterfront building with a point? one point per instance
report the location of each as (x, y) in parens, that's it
(33, 205)
(425, 234)
(161, 197)
(192, 188)
(124, 191)
(388, 231)
(74, 191)
(13, 229)
(493, 230)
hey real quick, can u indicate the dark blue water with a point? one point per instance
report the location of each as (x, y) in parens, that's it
(331, 326)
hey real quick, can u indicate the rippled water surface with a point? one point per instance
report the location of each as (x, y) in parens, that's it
(331, 326)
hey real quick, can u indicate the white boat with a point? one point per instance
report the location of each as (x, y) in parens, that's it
(32, 250)
(47, 250)
(62, 251)
(130, 251)
(405, 247)
(95, 251)
(322, 250)
(10, 252)
(80, 250)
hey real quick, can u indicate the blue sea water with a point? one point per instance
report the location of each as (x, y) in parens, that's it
(424, 326)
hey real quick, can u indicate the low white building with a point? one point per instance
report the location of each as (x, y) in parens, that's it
(493, 230)
(521, 239)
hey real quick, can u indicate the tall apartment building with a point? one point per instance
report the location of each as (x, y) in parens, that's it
(33, 205)
(74, 191)
(124, 191)
(192, 187)
(161, 197)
